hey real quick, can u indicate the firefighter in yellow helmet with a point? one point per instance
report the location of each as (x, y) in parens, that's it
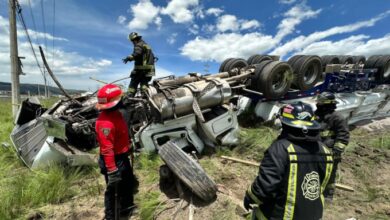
(144, 59)
(294, 171)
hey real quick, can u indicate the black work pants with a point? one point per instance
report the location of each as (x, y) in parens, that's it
(330, 188)
(124, 188)
(138, 78)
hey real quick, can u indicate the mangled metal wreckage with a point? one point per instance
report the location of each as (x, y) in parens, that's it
(179, 116)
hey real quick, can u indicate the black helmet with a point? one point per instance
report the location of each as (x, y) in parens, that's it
(299, 115)
(134, 36)
(326, 98)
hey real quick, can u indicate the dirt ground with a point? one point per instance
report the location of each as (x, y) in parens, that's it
(365, 168)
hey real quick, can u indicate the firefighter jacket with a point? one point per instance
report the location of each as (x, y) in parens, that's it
(143, 59)
(113, 137)
(334, 130)
(291, 180)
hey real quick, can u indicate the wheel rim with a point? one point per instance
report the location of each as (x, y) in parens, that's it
(279, 80)
(310, 76)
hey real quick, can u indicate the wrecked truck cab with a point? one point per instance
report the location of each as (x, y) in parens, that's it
(46, 136)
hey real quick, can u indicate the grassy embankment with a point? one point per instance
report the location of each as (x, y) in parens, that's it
(21, 190)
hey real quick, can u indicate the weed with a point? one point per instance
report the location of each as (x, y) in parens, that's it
(148, 204)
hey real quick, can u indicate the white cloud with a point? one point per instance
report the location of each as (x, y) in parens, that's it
(225, 45)
(301, 41)
(64, 64)
(180, 11)
(194, 29)
(214, 11)
(232, 23)
(355, 45)
(144, 13)
(121, 19)
(294, 17)
(158, 22)
(172, 39)
(249, 24)
(288, 2)
(228, 23)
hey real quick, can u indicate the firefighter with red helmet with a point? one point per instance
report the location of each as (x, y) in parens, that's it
(294, 171)
(112, 135)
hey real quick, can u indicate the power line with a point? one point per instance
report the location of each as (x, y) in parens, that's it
(44, 24)
(54, 28)
(33, 21)
(21, 19)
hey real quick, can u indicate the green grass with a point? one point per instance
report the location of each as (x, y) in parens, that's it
(148, 204)
(22, 189)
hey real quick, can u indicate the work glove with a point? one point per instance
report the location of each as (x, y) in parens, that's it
(247, 203)
(126, 59)
(337, 154)
(114, 177)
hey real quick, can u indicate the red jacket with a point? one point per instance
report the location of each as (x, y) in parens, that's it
(113, 137)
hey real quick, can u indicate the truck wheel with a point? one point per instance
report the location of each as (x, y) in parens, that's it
(188, 171)
(371, 61)
(257, 59)
(329, 59)
(346, 59)
(383, 66)
(294, 59)
(275, 79)
(255, 79)
(307, 71)
(359, 59)
(223, 65)
(235, 63)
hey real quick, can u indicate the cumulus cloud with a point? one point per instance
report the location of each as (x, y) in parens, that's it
(144, 13)
(232, 23)
(214, 11)
(301, 41)
(249, 24)
(222, 46)
(228, 23)
(180, 11)
(294, 17)
(158, 22)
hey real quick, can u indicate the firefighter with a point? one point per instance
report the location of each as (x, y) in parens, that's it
(144, 59)
(334, 133)
(112, 135)
(294, 171)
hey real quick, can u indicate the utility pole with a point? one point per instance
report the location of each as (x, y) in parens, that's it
(13, 38)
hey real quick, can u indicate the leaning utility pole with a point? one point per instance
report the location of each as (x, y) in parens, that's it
(15, 87)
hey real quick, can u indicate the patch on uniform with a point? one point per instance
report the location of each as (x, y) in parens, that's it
(304, 115)
(311, 186)
(106, 131)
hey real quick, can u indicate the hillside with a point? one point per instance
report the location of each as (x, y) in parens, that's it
(78, 193)
(35, 88)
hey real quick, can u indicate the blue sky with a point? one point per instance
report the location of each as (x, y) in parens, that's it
(90, 37)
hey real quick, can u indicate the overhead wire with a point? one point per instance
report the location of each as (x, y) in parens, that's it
(44, 24)
(21, 19)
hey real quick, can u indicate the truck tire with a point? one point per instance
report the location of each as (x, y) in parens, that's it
(329, 59)
(255, 79)
(223, 65)
(359, 59)
(275, 79)
(188, 171)
(235, 63)
(383, 67)
(346, 59)
(371, 61)
(257, 59)
(307, 70)
(250, 59)
(293, 59)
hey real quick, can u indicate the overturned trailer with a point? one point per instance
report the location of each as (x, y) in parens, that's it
(178, 116)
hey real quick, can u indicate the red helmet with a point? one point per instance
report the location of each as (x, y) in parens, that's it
(108, 96)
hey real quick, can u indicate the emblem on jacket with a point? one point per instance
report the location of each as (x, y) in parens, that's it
(311, 186)
(106, 131)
